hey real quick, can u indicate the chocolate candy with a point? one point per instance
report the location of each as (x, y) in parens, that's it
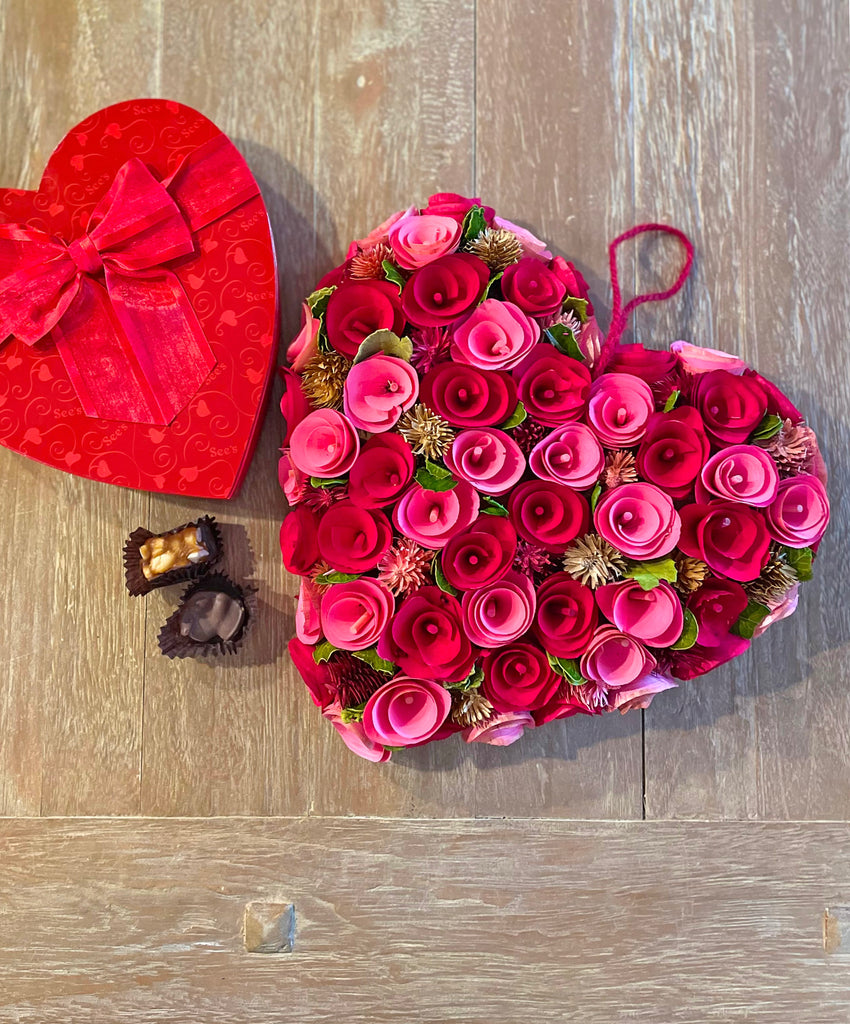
(185, 553)
(174, 550)
(211, 615)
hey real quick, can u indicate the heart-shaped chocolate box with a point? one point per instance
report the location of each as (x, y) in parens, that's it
(147, 252)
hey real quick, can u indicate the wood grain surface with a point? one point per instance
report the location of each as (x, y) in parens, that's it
(401, 921)
(575, 118)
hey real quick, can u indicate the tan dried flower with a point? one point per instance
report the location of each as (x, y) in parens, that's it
(690, 573)
(619, 469)
(773, 583)
(369, 263)
(498, 247)
(470, 708)
(593, 561)
(323, 379)
(427, 433)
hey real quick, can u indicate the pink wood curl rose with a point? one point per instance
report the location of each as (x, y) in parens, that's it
(501, 517)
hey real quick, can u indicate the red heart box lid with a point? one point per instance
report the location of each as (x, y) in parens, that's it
(224, 281)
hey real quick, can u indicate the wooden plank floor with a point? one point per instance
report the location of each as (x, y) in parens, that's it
(577, 118)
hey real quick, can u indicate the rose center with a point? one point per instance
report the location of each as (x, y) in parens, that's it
(433, 513)
(717, 607)
(394, 479)
(364, 620)
(549, 394)
(331, 448)
(737, 478)
(462, 394)
(627, 517)
(725, 521)
(799, 508)
(565, 457)
(539, 510)
(431, 629)
(621, 417)
(668, 454)
(438, 298)
(624, 642)
(409, 699)
(392, 386)
(473, 559)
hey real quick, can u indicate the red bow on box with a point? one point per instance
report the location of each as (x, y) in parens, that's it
(120, 319)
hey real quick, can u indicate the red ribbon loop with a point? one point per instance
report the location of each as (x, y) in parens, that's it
(620, 314)
(130, 340)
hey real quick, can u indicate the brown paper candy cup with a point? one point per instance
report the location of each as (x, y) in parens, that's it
(137, 582)
(174, 645)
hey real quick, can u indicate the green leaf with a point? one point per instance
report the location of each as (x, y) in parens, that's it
(568, 668)
(515, 418)
(577, 306)
(318, 301)
(322, 651)
(650, 574)
(800, 560)
(473, 224)
(670, 404)
(354, 714)
(749, 619)
(388, 343)
(332, 576)
(318, 481)
(490, 507)
(565, 341)
(594, 496)
(490, 283)
(768, 428)
(434, 477)
(393, 274)
(440, 579)
(322, 340)
(371, 657)
(472, 681)
(689, 633)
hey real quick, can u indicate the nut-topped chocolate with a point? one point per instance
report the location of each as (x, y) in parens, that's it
(174, 556)
(173, 550)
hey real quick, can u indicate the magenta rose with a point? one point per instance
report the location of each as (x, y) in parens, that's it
(353, 735)
(564, 703)
(495, 336)
(324, 444)
(552, 387)
(639, 520)
(299, 540)
(673, 450)
(573, 281)
(731, 407)
(619, 408)
(731, 538)
(444, 290)
(406, 711)
(548, 514)
(451, 204)
(292, 481)
(500, 612)
(652, 616)
(650, 364)
(696, 360)
(570, 455)
(518, 677)
(353, 539)
(532, 286)
(500, 730)
(426, 637)
(716, 606)
(355, 614)
(531, 244)
(799, 514)
(741, 472)
(432, 517)
(481, 554)
(488, 459)
(359, 308)
(317, 678)
(293, 403)
(566, 615)
(417, 239)
(698, 660)
(308, 623)
(305, 344)
(378, 390)
(613, 659)
(466, 396)
(382, 471)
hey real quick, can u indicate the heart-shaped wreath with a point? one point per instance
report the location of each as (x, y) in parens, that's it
(502, 518)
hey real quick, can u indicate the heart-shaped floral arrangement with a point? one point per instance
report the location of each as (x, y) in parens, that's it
(501, 518)
(138, 305)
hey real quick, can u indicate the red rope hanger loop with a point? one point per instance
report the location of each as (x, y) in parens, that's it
(620, 314)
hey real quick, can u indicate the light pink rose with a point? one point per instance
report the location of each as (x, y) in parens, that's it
(799, 514)
(304, 346)
(500, 612)
(406, 711)
(377, 391)
(618, 409)
(418, 239)
(570, 455)
(488, 459)
(324, 444)
(653, 616)
(380, 234)
(431, 518)
(500, 730)
(354, 614)
(531, 244)
(741, 472)
(614, 659)
(701, 360)
(781, 610)
(640, 694)
(638, 519)
(308, 623)
(354, 736)
(495, 336)
(292, 481)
